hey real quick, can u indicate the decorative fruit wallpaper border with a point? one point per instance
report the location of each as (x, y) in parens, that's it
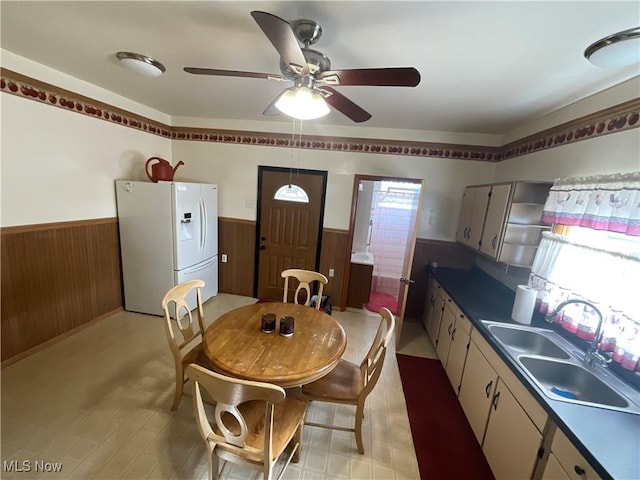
(611, 120)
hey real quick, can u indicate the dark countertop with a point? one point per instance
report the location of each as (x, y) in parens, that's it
(608, 439)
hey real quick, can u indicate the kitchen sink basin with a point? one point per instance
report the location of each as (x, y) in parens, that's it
(557, 367)
(569, 381)
(527, 341)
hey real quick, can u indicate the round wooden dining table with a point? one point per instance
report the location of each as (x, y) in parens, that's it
(237, 347)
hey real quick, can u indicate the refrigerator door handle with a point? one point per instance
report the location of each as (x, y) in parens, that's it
(203, 224)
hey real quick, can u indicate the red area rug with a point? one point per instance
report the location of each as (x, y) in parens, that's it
(445, 444)
(378, 300)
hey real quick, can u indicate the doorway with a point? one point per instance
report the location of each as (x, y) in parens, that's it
(383, 231)
(290, 213)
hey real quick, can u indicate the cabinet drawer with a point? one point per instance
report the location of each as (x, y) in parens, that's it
(571, 460)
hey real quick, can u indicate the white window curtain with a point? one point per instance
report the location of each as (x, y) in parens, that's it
(603, 277)
(564, 269)
(602, 202)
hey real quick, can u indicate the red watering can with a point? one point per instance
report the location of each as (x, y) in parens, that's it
(161, 170)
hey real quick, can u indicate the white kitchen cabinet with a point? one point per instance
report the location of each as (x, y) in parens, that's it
(474, 207)
(430, 302)
(433, 326)
(505, 418)
(453, 342)
(446, 326)
(460, 340)
(511, 440)
(495, 219)
(553, 470)
(507, 218)
(479, 381)
(569, 460)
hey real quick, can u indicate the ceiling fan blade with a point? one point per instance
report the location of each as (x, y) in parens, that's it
(272, 109)
(384, 77)
(345, 106)
(232, 73)
(279, 32)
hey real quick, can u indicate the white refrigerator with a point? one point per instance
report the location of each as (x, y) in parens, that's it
(168, 234)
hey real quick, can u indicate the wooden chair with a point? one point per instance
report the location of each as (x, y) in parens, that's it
(350, 383)
(184, 334)
(305, 279)
(254, 422)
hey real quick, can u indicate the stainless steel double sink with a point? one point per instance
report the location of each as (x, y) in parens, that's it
(556, 366)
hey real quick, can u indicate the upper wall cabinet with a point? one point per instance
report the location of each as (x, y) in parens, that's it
(472, 213)
(503, 221)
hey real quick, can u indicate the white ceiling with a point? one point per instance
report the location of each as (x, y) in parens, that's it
(486, 67)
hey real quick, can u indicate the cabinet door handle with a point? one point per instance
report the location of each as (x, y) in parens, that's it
(579, 470)
(493, 241)
(494, 402)
(487, 389)
(453, 334)
(449, 329)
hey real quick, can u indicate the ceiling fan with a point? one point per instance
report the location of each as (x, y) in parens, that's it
(310, 71)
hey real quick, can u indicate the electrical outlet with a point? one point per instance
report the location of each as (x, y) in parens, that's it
(224, 258)
(331, 272)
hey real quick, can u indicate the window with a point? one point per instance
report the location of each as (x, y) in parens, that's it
(291, 193)
(583, 265)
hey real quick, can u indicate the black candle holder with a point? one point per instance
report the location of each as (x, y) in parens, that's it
(268, 324)
(286, 326)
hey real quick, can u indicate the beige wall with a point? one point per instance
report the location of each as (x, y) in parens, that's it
(615, 153)
(235, 169)
(59, 166)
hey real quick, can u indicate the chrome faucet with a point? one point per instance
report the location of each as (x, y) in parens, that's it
(592, 355)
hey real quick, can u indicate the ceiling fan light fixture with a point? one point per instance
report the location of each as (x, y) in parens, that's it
(141, 64)
(302, 103)
(617, 50)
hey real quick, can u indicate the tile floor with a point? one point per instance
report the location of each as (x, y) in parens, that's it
(98, 404)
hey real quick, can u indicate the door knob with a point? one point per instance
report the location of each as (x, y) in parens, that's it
(407, 281)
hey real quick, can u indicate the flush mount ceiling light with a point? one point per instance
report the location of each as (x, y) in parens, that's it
(617, 50)
(302, 101)
(141, 64)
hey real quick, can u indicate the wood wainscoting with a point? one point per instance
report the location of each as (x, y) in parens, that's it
(334, 256)
(56, 278)
(237, 241)
(447, 254)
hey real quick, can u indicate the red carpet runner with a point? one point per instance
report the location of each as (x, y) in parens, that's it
(445, 444)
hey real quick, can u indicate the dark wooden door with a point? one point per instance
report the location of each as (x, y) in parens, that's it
(289, 229)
